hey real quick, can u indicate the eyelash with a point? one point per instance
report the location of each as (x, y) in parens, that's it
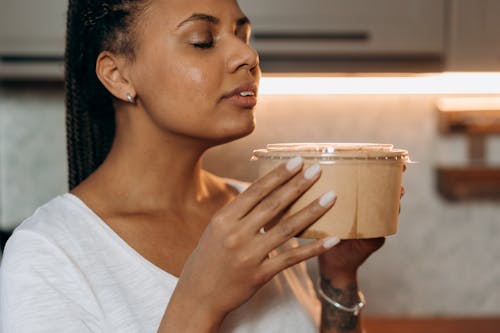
(210, 44)
(204, 46)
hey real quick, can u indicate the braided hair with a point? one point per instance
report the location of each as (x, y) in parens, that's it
(93, 26)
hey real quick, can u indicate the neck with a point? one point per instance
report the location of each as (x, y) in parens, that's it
(160, 174)
(148, 170)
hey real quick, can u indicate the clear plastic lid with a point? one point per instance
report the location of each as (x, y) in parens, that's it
(332, 151)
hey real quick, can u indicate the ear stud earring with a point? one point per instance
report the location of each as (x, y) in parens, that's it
(130, 98)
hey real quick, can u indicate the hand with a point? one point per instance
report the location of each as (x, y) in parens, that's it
(231, 261)
(341, 263)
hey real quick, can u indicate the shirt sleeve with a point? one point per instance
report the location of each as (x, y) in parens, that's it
(42, 289)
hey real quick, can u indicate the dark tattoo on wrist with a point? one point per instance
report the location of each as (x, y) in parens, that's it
(334, 318)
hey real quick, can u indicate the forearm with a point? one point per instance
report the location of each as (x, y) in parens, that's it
(188, 317)
(343, 290)
(169, 324)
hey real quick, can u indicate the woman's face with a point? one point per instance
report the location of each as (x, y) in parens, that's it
(194, 73)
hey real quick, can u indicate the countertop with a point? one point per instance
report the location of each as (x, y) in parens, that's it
(432, 325)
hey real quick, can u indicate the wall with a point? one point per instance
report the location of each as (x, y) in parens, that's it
(32, 149)
(443, 259)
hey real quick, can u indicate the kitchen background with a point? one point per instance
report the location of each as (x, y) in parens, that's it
(444, 259)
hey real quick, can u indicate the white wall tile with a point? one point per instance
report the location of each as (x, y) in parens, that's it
(32, 151)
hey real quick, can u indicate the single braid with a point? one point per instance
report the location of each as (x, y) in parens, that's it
(73, 105)
(93, 26)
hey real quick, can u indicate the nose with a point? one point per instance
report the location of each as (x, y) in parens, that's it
(242, 56)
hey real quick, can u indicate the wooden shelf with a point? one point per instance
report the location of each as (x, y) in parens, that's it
(469, 115)
(476, 118)
(468, 183)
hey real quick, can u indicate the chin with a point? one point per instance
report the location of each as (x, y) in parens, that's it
(234, 134)
(243, 133)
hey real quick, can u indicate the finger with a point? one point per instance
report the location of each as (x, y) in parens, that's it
(298, 254)
(254, 194)
(281, 198)
(296, 223)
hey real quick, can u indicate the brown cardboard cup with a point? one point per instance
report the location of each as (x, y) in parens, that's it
(366, 178)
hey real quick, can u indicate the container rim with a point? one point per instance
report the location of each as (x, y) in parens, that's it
(325, 151)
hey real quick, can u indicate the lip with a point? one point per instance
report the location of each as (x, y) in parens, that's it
(244, 101)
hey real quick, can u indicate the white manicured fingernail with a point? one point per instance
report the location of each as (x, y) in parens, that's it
(330, 242)
(327, 199)
(294, 163)
(312, 171)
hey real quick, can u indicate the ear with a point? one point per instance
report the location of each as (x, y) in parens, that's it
(112, 71)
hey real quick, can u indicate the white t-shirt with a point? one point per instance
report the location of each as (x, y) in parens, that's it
(65, 270)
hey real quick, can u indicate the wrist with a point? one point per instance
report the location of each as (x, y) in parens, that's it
(347, 295)
(339, 274)
(328, 301)
(345, 292)
(341, 306)
(339, 278)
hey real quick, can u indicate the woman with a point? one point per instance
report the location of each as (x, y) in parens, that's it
(146, 240)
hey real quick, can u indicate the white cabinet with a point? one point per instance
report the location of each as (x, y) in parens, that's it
(352, 28)
(462, 34)
(32, 27)
(32, 34)
(474, 35)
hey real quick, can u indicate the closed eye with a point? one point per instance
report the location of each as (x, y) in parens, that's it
(205, 45)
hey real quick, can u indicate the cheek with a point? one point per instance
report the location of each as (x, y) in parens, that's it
(192, 81)
(194, 75)
(180, 89)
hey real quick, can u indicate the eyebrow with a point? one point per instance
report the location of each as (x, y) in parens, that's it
(211, 19)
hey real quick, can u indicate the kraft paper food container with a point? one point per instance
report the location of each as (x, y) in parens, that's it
(366, 177)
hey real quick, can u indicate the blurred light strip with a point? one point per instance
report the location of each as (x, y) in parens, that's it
(444, 83)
